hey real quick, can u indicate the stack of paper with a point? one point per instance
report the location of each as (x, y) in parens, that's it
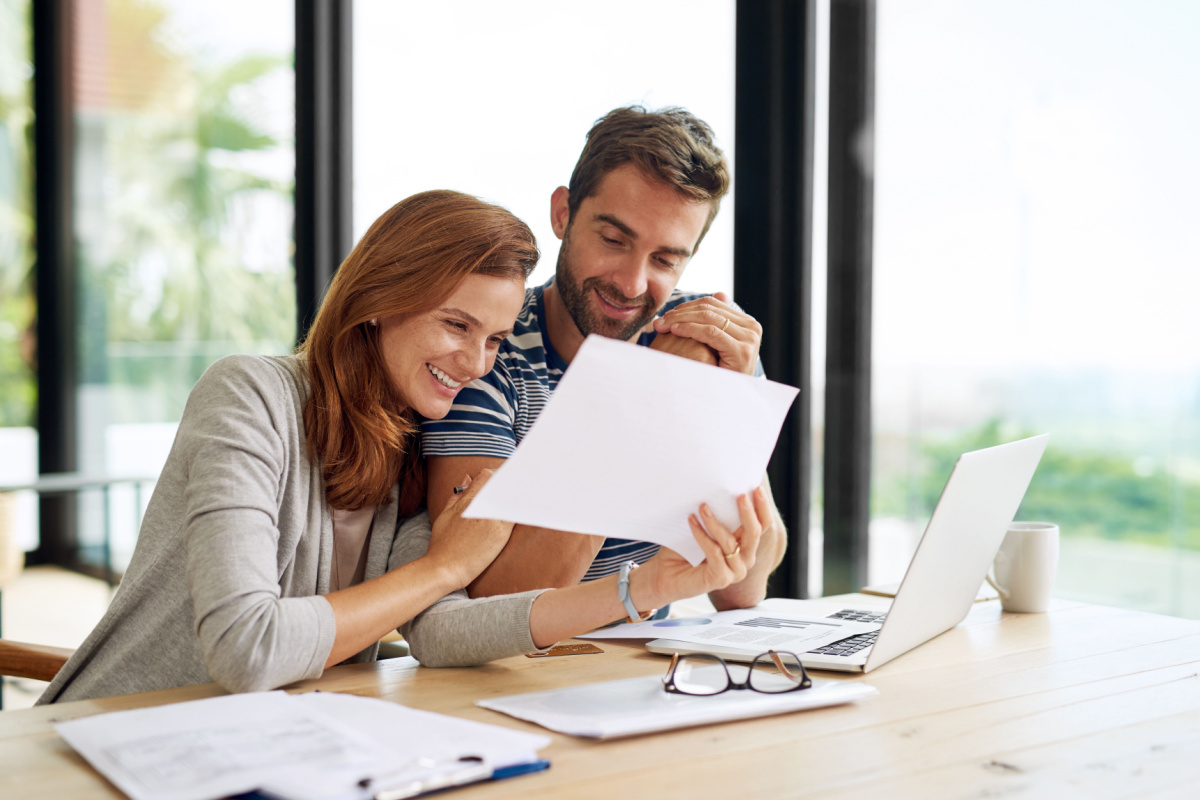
(755, 630)
(317, 746)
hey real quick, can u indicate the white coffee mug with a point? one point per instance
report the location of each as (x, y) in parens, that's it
(1023, 572)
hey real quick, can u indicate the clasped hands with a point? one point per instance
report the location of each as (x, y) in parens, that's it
(712, 331)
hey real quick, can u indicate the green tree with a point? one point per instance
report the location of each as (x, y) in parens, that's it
(1096, 494)
(166, 289)
(17, 386)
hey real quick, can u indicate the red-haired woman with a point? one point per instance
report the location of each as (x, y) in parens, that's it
(285, 533)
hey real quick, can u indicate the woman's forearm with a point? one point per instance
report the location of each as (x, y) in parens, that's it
(366, 612)
(562, 613)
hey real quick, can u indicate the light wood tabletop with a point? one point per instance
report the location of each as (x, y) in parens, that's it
(1082, 701)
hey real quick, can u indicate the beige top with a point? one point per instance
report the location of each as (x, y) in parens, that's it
(351, 533)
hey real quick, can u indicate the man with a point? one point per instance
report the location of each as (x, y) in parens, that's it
(642, 195)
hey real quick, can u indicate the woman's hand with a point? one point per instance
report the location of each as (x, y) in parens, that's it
(728, 556)
(463, 548)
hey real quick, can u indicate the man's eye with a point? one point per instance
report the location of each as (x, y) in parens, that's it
(608, 240)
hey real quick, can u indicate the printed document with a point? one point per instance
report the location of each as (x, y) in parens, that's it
(317, 746)
(633, 441)
(752, 629)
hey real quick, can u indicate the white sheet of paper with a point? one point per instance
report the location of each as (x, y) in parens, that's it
(754, 629)
(632, 441)
(640, 705)
(297, 746)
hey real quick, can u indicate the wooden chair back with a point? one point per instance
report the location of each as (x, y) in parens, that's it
(37, 661)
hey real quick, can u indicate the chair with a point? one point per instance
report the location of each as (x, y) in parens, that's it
(39, 662)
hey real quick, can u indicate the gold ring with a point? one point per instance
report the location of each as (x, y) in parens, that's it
(726, 325)
(736, 550)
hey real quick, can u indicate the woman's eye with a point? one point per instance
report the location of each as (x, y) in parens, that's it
(456, 325)
(495, 341)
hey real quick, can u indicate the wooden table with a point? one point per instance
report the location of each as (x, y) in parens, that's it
(1084, 701)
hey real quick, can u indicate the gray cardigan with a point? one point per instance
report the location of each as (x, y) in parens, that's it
(234, 555)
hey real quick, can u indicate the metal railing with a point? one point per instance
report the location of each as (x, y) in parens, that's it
(77, 482)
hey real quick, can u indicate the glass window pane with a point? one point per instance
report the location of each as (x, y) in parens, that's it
(18, 386)
(1036, 272)
(184, 123)
(495, 99)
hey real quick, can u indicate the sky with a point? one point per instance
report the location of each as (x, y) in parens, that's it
(1036, 185)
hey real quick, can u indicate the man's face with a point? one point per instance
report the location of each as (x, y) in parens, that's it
(624, 252)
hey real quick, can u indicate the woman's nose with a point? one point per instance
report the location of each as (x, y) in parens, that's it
(475, 360)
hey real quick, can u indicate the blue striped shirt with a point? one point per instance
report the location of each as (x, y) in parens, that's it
(491, 415)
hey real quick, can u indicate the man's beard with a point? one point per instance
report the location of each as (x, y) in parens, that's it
(581, 307)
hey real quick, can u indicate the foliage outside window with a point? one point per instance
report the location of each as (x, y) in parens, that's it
(17, 386)
(185, 211)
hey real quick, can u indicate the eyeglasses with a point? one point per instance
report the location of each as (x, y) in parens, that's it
(702, 674)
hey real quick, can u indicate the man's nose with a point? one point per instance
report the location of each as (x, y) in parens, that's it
(633, 277)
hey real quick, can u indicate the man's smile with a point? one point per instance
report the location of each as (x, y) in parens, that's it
(618, 310)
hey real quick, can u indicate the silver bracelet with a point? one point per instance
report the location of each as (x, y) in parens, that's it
(631, 612)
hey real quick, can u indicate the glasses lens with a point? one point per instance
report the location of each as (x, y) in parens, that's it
(699, 674)
(776, 672)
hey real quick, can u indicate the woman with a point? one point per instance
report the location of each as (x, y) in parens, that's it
(284, 535)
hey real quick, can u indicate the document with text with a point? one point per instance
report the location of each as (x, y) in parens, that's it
(633, 441)
(748, 628)
(317, 746)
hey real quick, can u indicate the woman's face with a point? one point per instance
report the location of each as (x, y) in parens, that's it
(430, 355)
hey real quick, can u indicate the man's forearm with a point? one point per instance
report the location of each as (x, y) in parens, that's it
(537, 558)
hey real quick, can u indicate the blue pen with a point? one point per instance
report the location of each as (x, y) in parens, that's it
(520, 769)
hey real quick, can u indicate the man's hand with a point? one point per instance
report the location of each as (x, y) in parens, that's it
(733, 335)
(688, 348)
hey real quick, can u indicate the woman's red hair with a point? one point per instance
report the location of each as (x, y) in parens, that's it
(411, 259)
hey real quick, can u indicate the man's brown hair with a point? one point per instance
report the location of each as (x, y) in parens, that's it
(669, 145)
(411, 259)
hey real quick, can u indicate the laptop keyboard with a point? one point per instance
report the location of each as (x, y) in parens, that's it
(854, 615)
(852, 644)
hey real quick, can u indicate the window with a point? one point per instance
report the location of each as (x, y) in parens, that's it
(184, 124)
(18, 387)
(495, 100)
(1035, 271)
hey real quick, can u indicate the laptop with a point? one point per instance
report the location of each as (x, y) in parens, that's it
(964, 533)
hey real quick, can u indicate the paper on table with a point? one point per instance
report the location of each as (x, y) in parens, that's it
(754, 629)
(632, 441)
(419, 744)
(640, 705)
(303, 746)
